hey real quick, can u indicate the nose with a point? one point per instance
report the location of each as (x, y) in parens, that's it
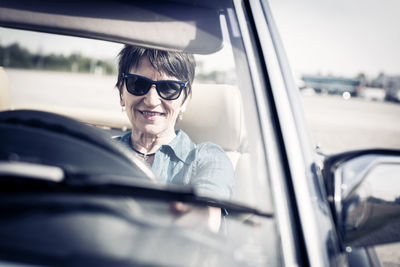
(152, 98)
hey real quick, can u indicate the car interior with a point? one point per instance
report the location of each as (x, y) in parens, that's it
(218, 119)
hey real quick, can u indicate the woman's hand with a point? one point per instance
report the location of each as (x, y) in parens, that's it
(188, 215)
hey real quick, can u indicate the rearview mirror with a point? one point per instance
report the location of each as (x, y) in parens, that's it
(365, 193)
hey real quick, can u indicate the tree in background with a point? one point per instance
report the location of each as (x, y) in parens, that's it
(15, 56)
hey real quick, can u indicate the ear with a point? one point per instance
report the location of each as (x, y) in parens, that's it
(121, 97)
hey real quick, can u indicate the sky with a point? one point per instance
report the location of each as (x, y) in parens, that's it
(340, 37)
(329, 37)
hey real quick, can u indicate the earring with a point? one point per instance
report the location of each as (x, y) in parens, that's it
(180, 116)
(123, 109)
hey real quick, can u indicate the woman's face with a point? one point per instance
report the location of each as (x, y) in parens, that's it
(150, 114)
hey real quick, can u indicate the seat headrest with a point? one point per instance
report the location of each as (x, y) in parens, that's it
(214, 113)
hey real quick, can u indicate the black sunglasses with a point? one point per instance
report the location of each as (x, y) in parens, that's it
(138, 85)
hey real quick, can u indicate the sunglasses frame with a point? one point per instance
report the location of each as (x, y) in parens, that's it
(182, 85)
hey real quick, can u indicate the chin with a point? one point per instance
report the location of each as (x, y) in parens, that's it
(153, 130)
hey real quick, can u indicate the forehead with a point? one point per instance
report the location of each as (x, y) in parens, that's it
(146, 69)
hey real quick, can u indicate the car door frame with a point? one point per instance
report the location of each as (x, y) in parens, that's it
(306, 227)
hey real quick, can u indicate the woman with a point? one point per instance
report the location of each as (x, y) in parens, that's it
(155, 87)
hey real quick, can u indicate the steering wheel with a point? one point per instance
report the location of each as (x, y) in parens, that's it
(51, 139)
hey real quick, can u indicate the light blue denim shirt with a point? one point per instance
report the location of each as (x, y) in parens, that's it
(205, 166)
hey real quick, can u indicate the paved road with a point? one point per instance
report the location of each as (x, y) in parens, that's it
(338, 125)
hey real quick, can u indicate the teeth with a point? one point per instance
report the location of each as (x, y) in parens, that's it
(150, 113)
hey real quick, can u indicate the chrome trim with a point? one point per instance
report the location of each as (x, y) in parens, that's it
(31, 170)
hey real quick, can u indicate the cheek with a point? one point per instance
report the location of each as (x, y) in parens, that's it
(177, 105)
(130, 100)
(174, 109)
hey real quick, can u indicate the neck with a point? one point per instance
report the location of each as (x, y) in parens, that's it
(147, 143)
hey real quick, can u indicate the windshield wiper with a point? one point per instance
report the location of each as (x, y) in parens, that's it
(123, 185)
(50, 179)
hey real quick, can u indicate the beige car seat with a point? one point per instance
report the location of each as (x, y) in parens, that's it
(215, 114)
(5, 101)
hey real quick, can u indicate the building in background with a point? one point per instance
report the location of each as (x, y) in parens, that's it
(332, 85)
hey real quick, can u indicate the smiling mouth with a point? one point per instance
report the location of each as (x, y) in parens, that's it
(151, 115)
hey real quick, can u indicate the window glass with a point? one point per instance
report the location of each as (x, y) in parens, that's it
(346, 63)
(76, 77)
(45, 73)
(59, 71)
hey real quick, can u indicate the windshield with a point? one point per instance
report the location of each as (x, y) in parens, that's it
(85, 79)
(78, 80)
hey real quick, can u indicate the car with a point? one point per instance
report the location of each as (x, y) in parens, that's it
(73, 196)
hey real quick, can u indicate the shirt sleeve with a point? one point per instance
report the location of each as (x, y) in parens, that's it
(213, 176)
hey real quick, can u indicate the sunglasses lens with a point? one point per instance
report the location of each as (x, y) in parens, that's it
(137, 86)
(169, 90)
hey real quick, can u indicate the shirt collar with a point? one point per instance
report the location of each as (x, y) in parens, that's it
(181, 146)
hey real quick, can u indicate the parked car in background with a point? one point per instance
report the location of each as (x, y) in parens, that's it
(72, 196)
(393, 90)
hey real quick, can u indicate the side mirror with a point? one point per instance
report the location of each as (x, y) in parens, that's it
(364, 189)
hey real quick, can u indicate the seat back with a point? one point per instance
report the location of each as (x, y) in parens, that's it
(5, 101)
(215, 114)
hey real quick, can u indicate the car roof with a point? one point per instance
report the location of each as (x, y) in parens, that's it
(182, 25)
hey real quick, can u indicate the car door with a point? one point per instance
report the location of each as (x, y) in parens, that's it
(307, 228)
(317, 221)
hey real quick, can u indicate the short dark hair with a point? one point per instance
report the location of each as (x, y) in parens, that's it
(177, 64)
